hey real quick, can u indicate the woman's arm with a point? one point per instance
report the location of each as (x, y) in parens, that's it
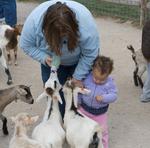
(28, 42)
(89, 45)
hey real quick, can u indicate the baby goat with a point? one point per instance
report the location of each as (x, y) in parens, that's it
(81, 131)
(140, 65)
(19, 92)
(5, 33)
(50, 132)
(13, 43)
(20, 138)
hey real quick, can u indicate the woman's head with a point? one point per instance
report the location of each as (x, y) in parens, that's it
(102, 67)
(60, 21)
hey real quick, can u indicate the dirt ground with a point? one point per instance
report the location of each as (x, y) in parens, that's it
(129, 119)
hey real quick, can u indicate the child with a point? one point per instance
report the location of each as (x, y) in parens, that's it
(103, 92)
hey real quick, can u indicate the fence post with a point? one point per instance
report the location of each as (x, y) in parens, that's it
(143, 12)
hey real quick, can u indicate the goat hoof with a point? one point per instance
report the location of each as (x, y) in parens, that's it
(9, 82)
(16, 64)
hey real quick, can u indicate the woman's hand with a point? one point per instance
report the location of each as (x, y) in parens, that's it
(48, 61)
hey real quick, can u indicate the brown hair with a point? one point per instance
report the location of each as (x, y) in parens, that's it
(104, 64)
(59, 21)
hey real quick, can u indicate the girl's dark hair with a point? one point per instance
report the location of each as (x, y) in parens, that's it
(60, 21)
(104, 64)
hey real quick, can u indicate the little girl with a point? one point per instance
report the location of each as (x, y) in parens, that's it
(103, 91)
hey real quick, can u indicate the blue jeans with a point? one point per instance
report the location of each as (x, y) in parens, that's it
(146, 88)
(8, 11)
(63, 73)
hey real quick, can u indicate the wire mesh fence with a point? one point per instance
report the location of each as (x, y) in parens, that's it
(123, 9)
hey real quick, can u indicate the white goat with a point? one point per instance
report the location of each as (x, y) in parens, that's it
(20, 138)
(140, 65)
(81, 131)
(18, 92)
(50, 132)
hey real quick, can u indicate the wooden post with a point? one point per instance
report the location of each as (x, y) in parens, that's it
(143, 14)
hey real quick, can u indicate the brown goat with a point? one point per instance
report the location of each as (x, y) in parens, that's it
(12, 35)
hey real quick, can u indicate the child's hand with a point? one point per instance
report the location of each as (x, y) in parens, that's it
(99, 98)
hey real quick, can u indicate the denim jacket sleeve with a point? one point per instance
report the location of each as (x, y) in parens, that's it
(89, 45)
(30, 41)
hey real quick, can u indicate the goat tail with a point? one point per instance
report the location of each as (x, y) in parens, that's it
(96, 141)
(41, 96)
(130, 47)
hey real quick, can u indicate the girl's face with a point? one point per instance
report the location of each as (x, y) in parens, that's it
(99, 78)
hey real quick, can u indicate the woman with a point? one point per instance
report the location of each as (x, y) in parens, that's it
(66, 29)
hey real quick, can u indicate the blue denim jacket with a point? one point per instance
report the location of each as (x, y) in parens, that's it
(8, 11)
(33, 43)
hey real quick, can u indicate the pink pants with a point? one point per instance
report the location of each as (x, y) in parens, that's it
(102, 120)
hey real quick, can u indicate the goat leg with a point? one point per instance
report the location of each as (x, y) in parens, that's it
(135, 77)
(9, 81)
(15, 55)
(4, 120)
(3, 62)
(95, 141)
(141, 71)
(8, 55)
(9, 58)
(140, 81)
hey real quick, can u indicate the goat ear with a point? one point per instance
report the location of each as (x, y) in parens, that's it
(41, 96)
(59, 98)
(18, 29)
(83, 91)
(75, 98)
(21, 91)
(79, 90)
(34, 119)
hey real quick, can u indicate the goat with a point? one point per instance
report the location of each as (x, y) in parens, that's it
(76, 124)
(18, 92)
(20, 138)
(5, 37)
(50, 131)
(13, 43)
(140, 65)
